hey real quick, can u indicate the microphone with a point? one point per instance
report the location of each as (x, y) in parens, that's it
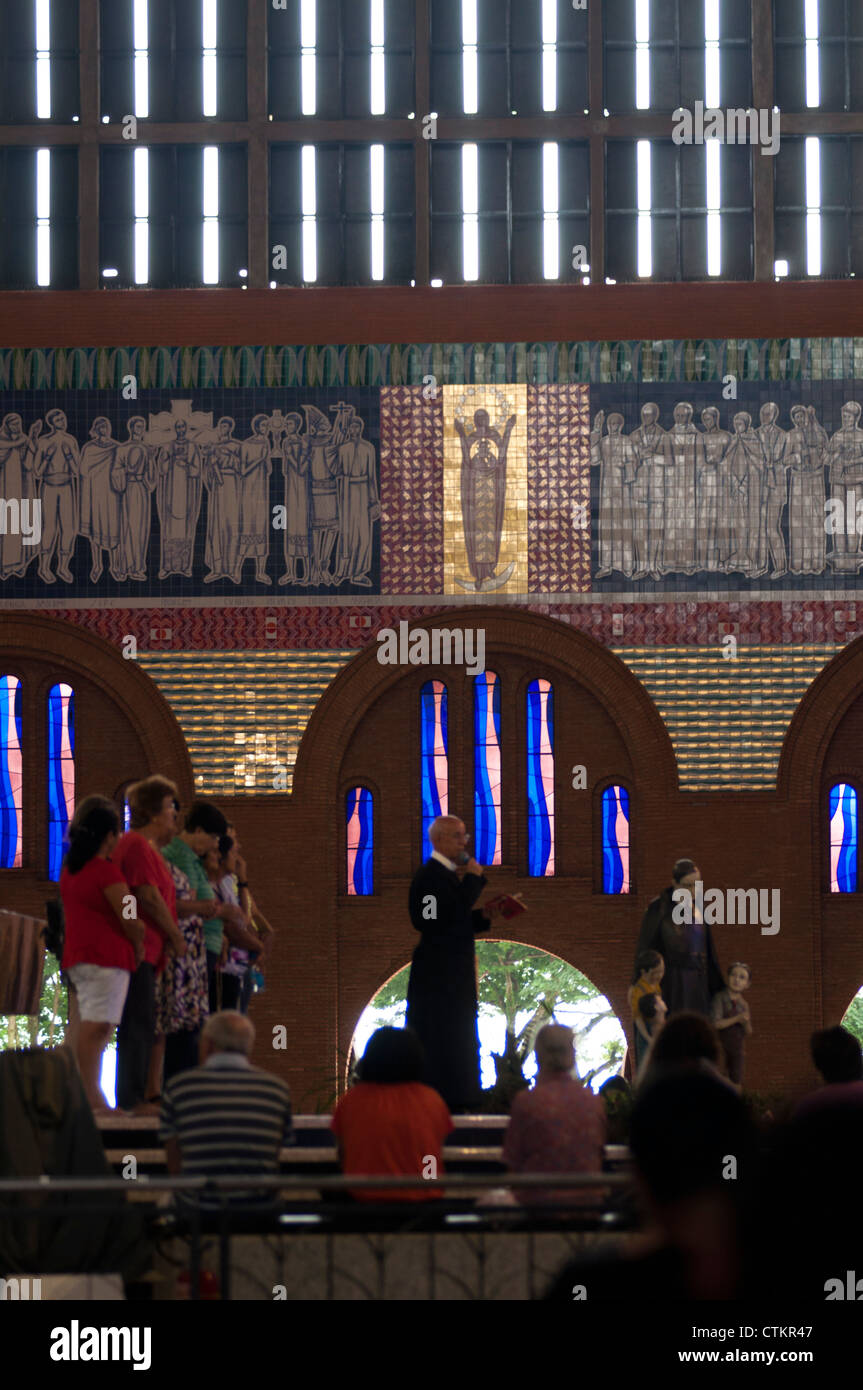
(464, 858)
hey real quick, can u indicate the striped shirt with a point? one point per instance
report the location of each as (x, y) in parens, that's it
(229, 1118)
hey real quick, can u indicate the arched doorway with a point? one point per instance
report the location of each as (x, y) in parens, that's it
(520, 989)
(366, 745)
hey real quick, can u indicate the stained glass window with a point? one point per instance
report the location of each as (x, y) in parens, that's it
(486, 797)
(434, 762)
(540, 779)
(615, 841)
(61, 772)
(10, 773)
(843, 838)
(360, 840)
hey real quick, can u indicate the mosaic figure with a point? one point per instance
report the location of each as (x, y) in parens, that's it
(745, 464)
(483, 495)
(321, 446)
(295, 466)
(712, 488)
(101, 485)
(615, 458)
(136, 459)
(653, 460)
(222, 481)
(17, 451)
(805, 453)
(359, 507)
(686, 445)
(845, 457)
(55, 466)
(775, 483)
(178, 501)
(255, 527)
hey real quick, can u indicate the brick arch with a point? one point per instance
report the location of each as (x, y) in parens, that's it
(75, 652)
(555, 645)
(816, 719)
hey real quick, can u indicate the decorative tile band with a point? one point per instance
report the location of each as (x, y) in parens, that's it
(339, 628)
(408, 364)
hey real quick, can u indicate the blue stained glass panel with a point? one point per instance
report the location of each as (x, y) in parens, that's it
(487, 768)
(540, 779)
(843, 838)
(434, 755)
(61, 773)
(615, 840)
(360, 841)
(11, 780)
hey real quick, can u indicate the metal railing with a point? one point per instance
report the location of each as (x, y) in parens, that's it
(207, 1207)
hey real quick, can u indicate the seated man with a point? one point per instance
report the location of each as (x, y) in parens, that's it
(836, 1054)
(558, 1127)
(226, 1117)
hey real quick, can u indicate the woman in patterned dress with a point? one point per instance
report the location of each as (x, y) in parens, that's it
(182, 1003)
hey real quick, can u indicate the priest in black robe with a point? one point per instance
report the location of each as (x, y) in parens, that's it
(442, 999)
(692, 972)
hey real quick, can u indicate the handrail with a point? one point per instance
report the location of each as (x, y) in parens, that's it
(275, 1182)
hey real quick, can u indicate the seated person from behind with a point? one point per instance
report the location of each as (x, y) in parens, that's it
(836, 1054)
(686, 1041)
(558, 1127)
(226, 1118)
(391, 1124)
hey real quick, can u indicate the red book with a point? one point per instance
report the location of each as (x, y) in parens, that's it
(510, 904)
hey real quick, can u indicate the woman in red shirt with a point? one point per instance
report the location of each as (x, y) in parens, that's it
(390, 1123)
(102, 946)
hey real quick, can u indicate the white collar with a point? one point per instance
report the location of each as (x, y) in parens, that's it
(442, 859)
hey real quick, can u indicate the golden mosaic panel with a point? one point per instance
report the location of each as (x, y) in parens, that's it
(243, 713)
(727, 719)
(468, 557)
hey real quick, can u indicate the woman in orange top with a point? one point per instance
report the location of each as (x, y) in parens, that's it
(389, 1123)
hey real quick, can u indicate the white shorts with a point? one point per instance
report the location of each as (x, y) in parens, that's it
(101, 991)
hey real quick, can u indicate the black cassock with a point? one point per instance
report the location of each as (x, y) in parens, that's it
(692, 972)
(442, 1005)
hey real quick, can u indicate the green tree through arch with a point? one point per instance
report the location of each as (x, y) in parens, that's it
(525, 988)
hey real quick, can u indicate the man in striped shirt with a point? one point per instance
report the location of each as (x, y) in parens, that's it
(226, 1117)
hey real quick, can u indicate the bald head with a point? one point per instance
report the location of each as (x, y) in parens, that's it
(554, 1048)
(227, 1032)
(448, 836)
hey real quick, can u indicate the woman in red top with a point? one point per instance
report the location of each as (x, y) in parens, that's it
(390, 1123)
(102, 946)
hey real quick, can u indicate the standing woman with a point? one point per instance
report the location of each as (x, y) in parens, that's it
(182, 1004)
(102, 947)
(153, 807)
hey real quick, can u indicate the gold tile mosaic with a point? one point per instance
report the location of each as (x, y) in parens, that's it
(243, 713)
(727, 718)
(485, 525)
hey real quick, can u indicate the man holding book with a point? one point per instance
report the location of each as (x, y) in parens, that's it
(442, 995)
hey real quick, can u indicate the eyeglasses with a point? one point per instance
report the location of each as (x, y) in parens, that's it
(175, 804)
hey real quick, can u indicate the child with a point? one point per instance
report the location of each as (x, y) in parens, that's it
(731, 1019)
(650, 968)
(652, 1012)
